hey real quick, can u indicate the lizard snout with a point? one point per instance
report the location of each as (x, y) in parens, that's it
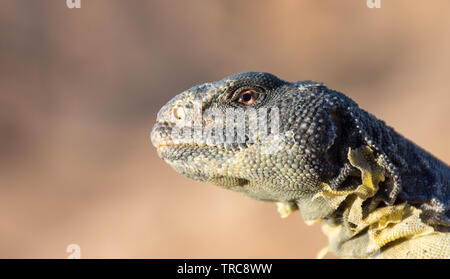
(155, 137)
(159, 136)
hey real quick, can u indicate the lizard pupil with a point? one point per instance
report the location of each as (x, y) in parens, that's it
(247, 97)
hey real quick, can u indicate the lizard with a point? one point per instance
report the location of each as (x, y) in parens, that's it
(307, 147)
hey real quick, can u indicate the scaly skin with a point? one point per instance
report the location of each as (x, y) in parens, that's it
(379, 194)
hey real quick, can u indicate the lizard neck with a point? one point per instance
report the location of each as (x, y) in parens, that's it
(355, 225)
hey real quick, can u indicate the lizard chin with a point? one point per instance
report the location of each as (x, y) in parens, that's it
(225, 181)
(208, 175)
(199, 163)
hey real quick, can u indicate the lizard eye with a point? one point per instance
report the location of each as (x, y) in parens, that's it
(247, 97)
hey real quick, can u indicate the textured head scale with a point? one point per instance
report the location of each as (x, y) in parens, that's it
(258, 161)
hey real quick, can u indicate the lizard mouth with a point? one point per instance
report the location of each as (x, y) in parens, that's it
(187, 153)
(162, 146)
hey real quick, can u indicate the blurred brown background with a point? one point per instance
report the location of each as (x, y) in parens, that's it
(80, 89)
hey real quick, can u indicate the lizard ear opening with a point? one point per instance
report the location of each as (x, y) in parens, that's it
(343, 134)
(346, 137)
(351, 133)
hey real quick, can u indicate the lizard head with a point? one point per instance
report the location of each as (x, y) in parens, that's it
(250, 132)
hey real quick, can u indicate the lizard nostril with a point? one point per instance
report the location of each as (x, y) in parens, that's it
(178, 112)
